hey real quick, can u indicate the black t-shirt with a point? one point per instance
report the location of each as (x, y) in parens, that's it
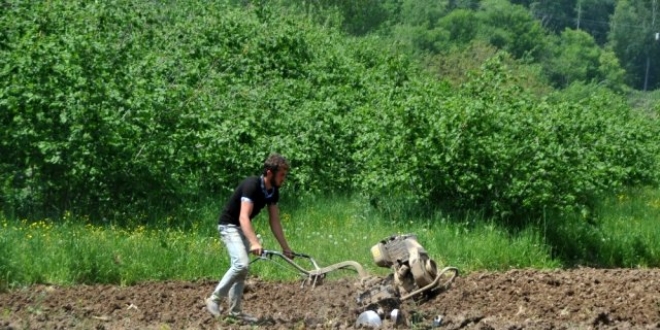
(252, 188)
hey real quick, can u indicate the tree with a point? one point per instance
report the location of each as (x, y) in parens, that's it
(556, 15)
(356, 17)
(576, 58)
(464, 4)
(512, 28)
(593, 16)
(611, 74)
(462, 26)
(422, 12)
(417, 25)
(632, 38)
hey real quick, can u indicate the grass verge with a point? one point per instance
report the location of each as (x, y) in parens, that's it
(74, 251)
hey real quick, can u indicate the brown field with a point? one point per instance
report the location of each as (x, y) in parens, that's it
(583, 298)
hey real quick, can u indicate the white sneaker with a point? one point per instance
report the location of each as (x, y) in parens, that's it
(212, 306)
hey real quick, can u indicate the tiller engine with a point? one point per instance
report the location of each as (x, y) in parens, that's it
(414, 274)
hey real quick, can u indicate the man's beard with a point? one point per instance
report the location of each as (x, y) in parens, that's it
(273, 181)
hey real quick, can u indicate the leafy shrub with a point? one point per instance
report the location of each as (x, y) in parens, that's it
(492, 146)
(113, 109)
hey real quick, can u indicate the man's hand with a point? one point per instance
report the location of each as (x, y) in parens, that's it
(256, 249)
(288, 254)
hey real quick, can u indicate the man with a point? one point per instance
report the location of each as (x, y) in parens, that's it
(236, 232)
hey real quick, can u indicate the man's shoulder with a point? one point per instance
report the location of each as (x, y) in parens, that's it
(250, 182)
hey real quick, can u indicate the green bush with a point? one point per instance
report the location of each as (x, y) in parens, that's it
(122, 109)
(494, 147)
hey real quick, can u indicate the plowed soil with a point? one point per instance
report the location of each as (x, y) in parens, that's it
(583, 298)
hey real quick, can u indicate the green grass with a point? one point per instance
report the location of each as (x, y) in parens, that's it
(72, 250)
(631, 229)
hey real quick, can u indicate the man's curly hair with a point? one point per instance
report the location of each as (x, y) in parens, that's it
(275, 162)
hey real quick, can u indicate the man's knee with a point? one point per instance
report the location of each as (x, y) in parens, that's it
(241, 268)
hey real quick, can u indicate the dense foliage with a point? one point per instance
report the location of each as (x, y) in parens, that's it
(526, 29)
(494, 147)
(117, 106)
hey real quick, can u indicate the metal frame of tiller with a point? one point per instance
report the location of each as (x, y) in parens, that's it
(434, 285)
(312, 276)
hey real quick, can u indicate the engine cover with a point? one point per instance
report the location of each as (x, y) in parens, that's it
(412, 269)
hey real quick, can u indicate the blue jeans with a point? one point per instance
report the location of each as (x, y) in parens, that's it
(232, 283)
